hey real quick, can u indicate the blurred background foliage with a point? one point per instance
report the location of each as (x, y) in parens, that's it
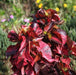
(14, 13)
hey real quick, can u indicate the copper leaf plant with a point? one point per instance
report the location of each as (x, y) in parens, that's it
(42, 48)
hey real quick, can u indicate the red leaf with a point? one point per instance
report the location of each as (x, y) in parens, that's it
(66, 61)
(61, 35)
(74, 48)
(45, 50)
(58, 50)
(66, 73)
(22, 71)
(19, 60)
(42, 21)
(37, 58)
(37, 39)
(49, 26)
(37, 29)
(55, 39)
(23, 43)
(29, 70)
(28, 56)
(35, 26)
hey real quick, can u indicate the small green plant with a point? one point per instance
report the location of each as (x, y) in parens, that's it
(4, 43)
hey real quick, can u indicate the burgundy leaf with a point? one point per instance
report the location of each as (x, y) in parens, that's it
(56, 17)
(51, 12)
(65, 51)
(31, 33)
(13, 36)
(16, 71)
(40, 13)
(69, 43)
(48, 71)
(12, 49)
(37, 68)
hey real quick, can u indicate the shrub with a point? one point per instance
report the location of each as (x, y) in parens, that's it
(41, 48)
